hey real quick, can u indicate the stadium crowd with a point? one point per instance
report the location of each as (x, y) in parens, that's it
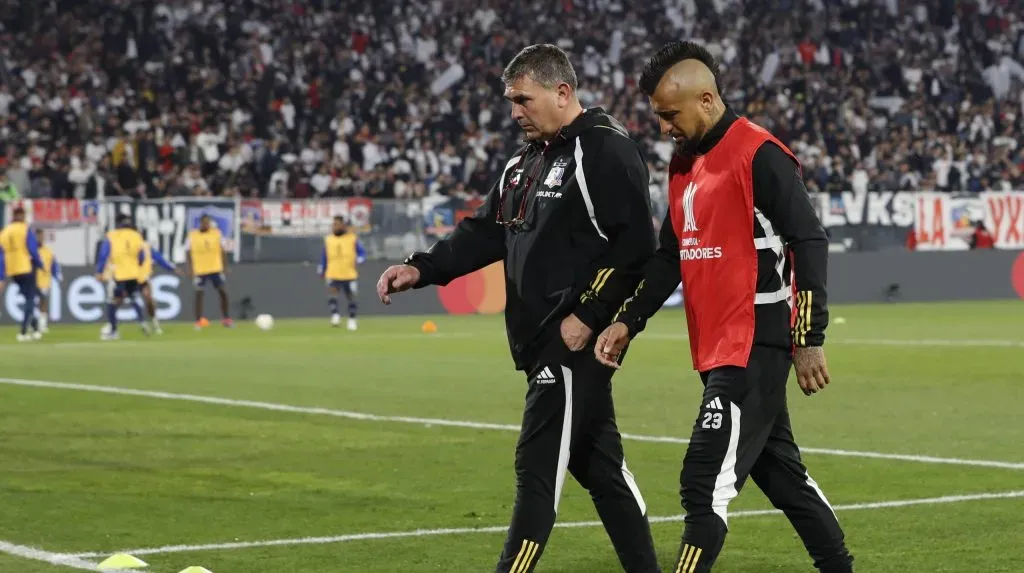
(402, 98)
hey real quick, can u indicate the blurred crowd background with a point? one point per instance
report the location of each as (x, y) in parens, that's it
(402, 98)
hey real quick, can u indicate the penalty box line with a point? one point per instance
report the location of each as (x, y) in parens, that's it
(502, 529)
(464, 423)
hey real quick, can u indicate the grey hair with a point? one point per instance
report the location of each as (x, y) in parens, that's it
(546, 64)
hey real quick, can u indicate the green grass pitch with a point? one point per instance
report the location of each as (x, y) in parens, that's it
(94, 472)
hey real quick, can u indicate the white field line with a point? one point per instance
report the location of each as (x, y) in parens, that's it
(43, 344)
(502, 528)
(462, 423)
(965, 343)
(47, 557)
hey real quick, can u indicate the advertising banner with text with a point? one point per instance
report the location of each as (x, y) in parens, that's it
(945, 222)
(294, 290)
(941, 221)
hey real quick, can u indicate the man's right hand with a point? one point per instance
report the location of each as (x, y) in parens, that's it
(811, 370)
(610, 344)
(396, 278)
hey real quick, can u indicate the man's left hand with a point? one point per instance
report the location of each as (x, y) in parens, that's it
(575, 334)
(811, 370)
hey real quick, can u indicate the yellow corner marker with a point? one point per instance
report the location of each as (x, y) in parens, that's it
(195, 569)
(429, 327)
(122, 561)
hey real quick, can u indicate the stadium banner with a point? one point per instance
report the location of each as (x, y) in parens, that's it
(945, 222)
(66, 224)
(303, 217)
(1004, 218)
(74, 228)
(293, 290)
(285, 290)
(81, 297)
(872, 208)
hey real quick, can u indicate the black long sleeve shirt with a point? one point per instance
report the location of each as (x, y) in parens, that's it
(780, 195)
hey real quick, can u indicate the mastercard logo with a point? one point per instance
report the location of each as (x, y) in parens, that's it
(481, 292)
(1017, 275)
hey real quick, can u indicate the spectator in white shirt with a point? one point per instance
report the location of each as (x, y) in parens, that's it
(278, 185)
(192, 179)
(232, 161)
(321, 181)
(372, 154)
(343, 126)
(312, 156)
(288, 114)
(340, 154)
(95, 150)
(859, 179)
(208, 142)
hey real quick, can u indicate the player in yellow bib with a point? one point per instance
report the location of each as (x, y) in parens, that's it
(341, 253)
(155, 258)
(19, 260)
(45, 275)
(125, 250)
(206, 255)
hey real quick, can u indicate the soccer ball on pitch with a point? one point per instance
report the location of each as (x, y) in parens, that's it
(264, 322)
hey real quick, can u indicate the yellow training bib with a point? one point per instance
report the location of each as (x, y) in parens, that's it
(126, 246)
(341, 257)
(207, 252)
(14, 242)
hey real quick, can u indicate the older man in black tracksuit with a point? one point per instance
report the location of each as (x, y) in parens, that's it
(570, 217)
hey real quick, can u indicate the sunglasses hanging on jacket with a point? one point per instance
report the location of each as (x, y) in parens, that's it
(519, 192)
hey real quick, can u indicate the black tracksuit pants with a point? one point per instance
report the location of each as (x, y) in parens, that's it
(742, 430)
(569, 428)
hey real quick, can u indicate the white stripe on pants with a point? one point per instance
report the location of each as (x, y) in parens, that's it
(725, 483)
(566, 441)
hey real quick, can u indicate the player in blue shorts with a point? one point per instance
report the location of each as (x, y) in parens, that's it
(206, 255)
(19, 261)
(125, 250)
(341, 253)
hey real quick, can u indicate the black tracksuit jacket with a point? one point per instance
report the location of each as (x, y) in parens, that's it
(572, 221)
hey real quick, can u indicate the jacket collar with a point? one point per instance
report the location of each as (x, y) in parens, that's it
(591, 117)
